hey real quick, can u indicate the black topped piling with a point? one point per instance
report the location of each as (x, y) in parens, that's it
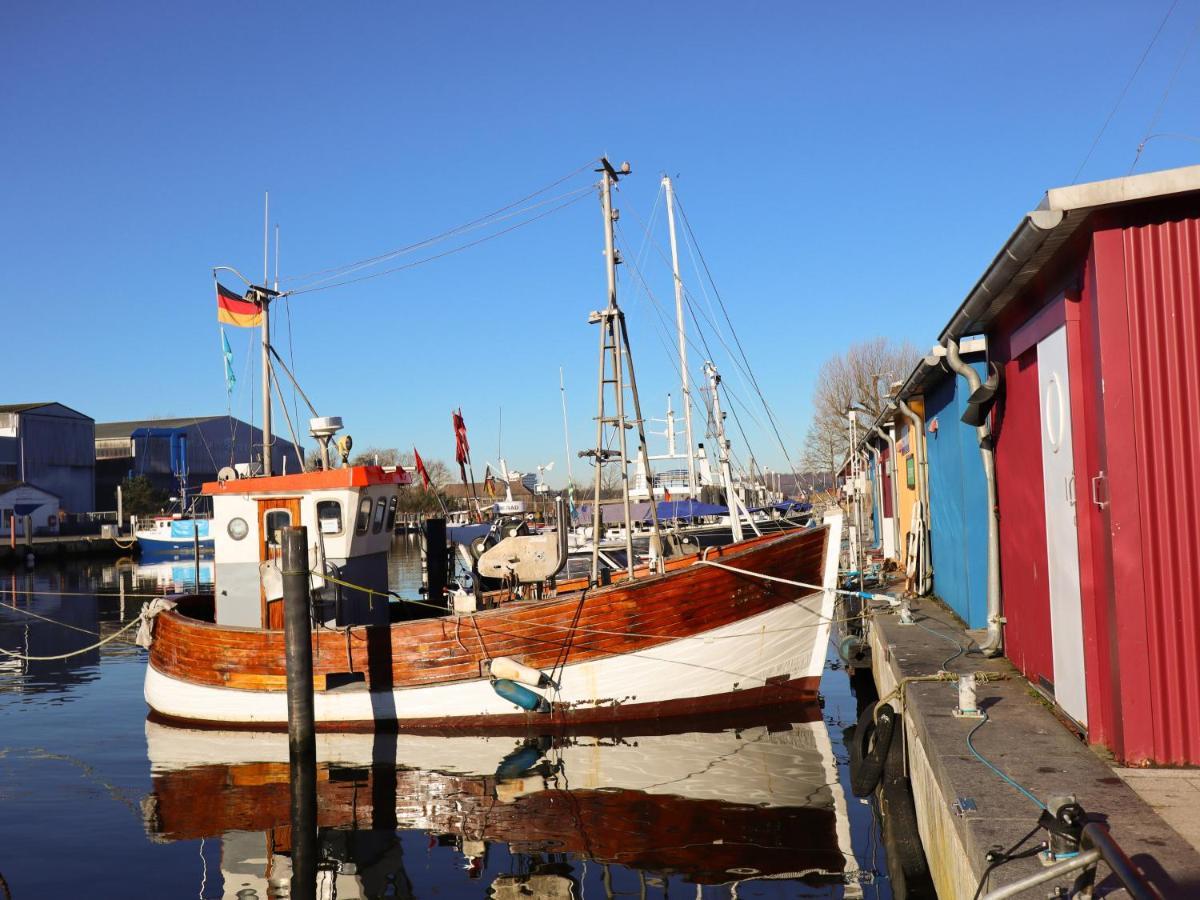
(302, 741)
(435, 560)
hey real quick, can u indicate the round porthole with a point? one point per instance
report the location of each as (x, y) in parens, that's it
(238, 529)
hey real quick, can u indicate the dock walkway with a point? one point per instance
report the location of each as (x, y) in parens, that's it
(964, 809)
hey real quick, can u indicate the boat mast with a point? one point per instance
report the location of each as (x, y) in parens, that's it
(736, 507)
(683, 369)
(266, 343)
(614, 345)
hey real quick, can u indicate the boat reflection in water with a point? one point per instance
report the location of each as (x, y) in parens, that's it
(716, 807)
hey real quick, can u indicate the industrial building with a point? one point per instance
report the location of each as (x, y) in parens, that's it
(51, 447)
(180, 451)
(1086, 371)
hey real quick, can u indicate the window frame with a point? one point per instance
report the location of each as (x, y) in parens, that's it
(379, 515)
(390, 522)
(341, 522)
(362, 521)
(269, 531)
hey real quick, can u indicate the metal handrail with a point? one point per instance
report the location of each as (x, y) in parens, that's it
(1096, 843)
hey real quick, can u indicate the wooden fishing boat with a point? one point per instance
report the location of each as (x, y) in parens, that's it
(719, 630)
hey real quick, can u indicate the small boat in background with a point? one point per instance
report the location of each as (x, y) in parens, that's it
(174, 537)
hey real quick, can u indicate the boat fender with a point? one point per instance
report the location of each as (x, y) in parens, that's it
(869, 749)
(506, 667)
(854, 651)
(520, 695)
(519, 761)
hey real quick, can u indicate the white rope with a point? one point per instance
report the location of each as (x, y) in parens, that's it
(815, 587)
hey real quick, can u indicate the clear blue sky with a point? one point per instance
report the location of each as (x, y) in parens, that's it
(849, 171)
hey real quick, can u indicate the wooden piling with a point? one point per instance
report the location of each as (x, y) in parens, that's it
(302, 741)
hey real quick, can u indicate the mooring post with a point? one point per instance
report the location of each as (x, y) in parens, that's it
(435, 560)
(302, 741)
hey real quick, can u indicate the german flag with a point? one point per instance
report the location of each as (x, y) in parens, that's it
(235, 310)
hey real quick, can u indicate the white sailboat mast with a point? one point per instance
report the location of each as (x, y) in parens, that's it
(683, 369)
(731, 499)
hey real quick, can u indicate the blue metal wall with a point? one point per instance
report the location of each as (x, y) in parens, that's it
(957, 502)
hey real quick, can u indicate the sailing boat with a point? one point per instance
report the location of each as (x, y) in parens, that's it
(737, 627)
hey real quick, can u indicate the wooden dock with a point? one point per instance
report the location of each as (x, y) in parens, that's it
(59, 546)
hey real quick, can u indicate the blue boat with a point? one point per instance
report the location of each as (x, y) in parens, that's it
(169, 537)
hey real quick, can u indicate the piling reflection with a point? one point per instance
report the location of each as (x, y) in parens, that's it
(526, 816)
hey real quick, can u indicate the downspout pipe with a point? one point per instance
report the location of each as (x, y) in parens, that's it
(994, 643)
(895, 492)
(917, 429)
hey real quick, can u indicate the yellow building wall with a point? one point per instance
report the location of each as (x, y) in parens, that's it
(906, 440)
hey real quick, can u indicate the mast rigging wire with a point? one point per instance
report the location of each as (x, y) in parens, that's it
(733, 331)
(579, 195)
(504, 212)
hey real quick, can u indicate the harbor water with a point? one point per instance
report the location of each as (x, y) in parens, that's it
(96, 799)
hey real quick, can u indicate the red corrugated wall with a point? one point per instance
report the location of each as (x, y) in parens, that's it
(1148, 308)
(1018, 433)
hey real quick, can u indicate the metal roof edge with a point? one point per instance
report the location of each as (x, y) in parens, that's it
(1128, 189)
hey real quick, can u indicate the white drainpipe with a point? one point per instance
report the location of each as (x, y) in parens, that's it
(993, 645)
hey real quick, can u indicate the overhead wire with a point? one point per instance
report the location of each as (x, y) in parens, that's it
(342, 269)
(578, 195)
(1187, 49)
(1121, 97)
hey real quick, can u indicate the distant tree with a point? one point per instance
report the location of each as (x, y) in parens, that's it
(139, 497)
(859, 376)
(380, 456)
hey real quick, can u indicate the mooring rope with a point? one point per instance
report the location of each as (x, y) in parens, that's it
(89, 648)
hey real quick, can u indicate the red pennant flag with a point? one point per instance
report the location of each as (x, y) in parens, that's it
(421, 470)
(462, 450)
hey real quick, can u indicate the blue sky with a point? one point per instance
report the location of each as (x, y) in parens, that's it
(848, 171)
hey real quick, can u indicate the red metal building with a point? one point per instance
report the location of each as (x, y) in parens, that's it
(1092, 310)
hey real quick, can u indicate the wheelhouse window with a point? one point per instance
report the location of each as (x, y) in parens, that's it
(329, 517)
(274, 520)
(380, 513)
(390, 525)
(364, 516)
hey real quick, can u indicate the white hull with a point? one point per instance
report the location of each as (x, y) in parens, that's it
(787, 642)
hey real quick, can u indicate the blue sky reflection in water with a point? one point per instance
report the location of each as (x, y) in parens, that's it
(82, 810)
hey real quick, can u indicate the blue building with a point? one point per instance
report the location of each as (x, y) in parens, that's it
(51, 447)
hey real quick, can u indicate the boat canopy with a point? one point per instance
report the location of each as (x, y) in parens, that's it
(687, 509)
(785, 507)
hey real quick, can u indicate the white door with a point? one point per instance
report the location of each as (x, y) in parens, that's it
(1062, 546)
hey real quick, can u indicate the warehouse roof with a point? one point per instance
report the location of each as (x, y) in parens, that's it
(111, 430)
